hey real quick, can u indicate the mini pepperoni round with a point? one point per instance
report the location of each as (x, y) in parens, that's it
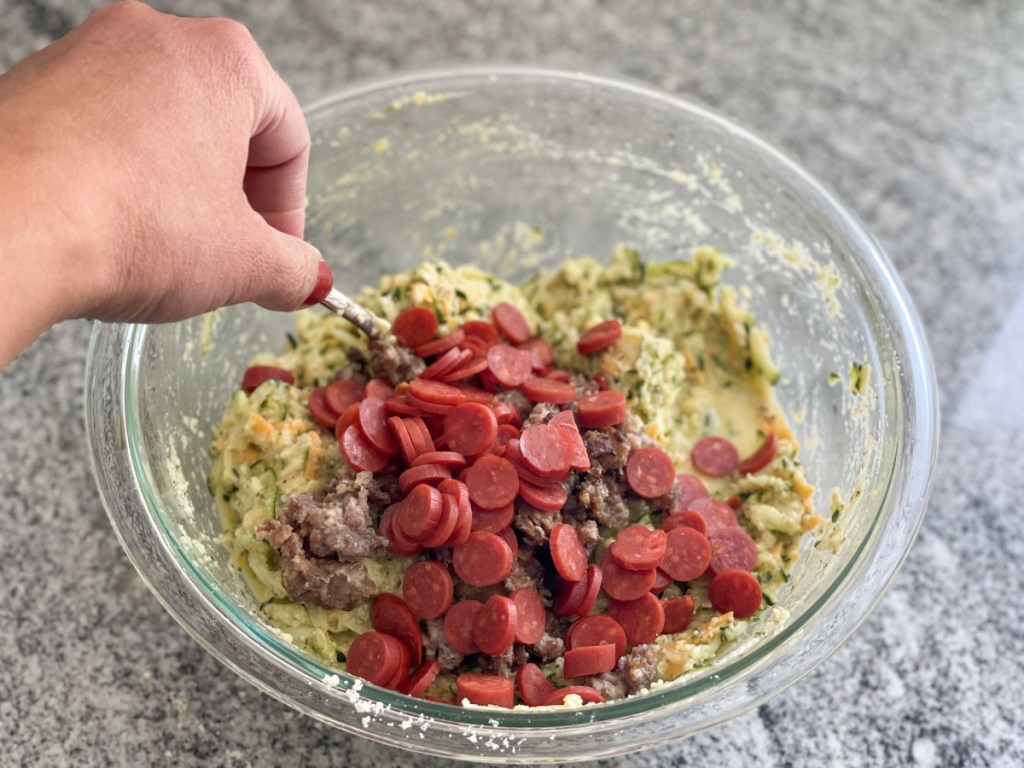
(599, 337)
(342, 393)
(736, 591)
(495, 625)
(541, 348)
(257, 374)
(485, 690)
(717, 514)
(435, 392)
(638, 548)
(492, 482)
(414, 326)
(567, 553)
(760, 458)
(602, 409)
(446, 522)
(690, 489)
(375, 657)
(565, 420)
(431, 474)
(546, 450)
(732, 548)
(321, 412)
(444, 364)
(551, 498)
(568, 597)
(532, 685)
(549, 391)
(715, 456)
(511, 539)
(506, 414)
(594, 580)
(530, 615)
(493, 520)
(588, 660)
(687, 554)
(458, 626)
(421, 678)
(398, 544)
(481, 329)
(470, 429)
(437, 346)
(688, 518)
(360, 453)
(642, 619)
(510, 323)
(466, 368)
(401, 434)
(662, 581)
(650, 473)
(509, 366)
(449, 459)
(597, 630)
(347, 419)
(427, 588)
(390, 615)
(588, 694)
(401, 676)
(463, 524)
(474, 394)
(734, 501)
(558, 375)
(506, 432)
(373, 421)
(484, 559)
(620, 584)
(400, 406)
(678, 613)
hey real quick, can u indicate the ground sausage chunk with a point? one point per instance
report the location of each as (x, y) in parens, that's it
(436, 647)
(602, 495)
(535, 524)
(527, 571)
(516, 399)
(633, 673)
(608, 448)
(394, 363)
(540, 414)
(551, 645)
(329, 583)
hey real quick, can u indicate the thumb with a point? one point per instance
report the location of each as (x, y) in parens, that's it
(289, 273)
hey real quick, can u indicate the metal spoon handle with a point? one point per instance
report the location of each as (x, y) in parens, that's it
(370, 324)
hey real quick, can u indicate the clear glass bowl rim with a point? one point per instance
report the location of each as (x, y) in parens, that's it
(187, 594)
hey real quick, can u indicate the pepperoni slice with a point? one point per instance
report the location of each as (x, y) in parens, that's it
(541, 348)
(506, 414)
(373, 421)
(474, 394)
(481, 329)
(427, 588)
(401, 676)
(483, 560)
(585, 692)
(734, 501)
(446, 522)
(510, 538)
(321, 412)
(398, 544)
(509, 366)
(732, 548)
(513, 454)
(458, 626)
(650, 473)
(257, 374)
(567, 552)
(557, 375)
(360, 453)
(419, 434)
(530, 615)
(449, 459)
(444, 364)
(401, 434)
(638, 548)
(493, 521)
(375, 657)
(594, 579)
(549, 391)
(678, 614)
(602, 409)
(601, 381)
(568, 596)
(715, 456)
(342, 393)
(662, 581)
(485, 690)
(588, 660)
(495, 625)
(400, 405)
(421, 678)
(547, 451)
(466, 368)
(760, 458)
(597, 630)
(470, 428)
(688, 518)
(551, 497)
(434, 393)
(718, 515)
(431, 474)
(620, 584)
(687, 554)
(642, 619)
(418, 513)
(436, 347)
(492, 482)
(533, 686)
(464, 523)
(510, 323)
(414, 326)
(736, 591)
(599, 337)
(565, 420)
(690, 489)
(392, 616)
(506, 432)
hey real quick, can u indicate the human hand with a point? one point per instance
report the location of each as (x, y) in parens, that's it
(154, 168)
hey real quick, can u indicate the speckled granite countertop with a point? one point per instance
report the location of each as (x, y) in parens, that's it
(912, 112)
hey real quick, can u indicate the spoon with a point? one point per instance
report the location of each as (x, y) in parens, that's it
(373, 326)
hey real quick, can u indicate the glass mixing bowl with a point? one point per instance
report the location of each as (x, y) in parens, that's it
(515, 169)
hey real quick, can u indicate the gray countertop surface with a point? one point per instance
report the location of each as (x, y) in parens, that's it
(912, 112)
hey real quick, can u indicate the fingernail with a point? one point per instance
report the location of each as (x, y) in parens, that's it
(324, 283)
